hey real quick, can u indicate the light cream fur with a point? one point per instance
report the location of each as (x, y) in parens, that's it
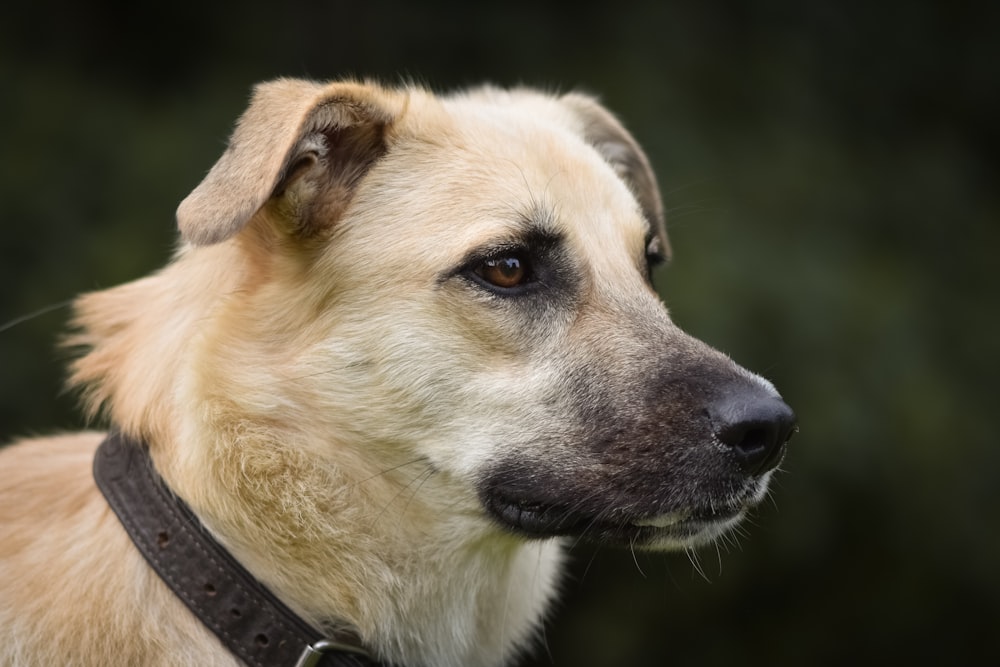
(318, 393)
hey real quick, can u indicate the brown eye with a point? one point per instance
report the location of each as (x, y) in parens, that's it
(504, 272)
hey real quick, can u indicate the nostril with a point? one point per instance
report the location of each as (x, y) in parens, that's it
(756, 444)
(748, 438)
(755, 427)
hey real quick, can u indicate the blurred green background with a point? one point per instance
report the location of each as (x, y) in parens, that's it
(831, 172)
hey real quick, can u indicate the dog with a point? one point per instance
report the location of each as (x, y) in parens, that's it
(408, 347)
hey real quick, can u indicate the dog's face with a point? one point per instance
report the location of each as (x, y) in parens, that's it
(468, 284)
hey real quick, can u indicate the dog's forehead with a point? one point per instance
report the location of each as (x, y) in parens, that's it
(522, 157)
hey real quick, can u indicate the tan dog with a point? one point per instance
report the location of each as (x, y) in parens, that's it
(409, 343)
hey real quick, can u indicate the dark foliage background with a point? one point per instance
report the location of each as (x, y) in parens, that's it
(832, 178)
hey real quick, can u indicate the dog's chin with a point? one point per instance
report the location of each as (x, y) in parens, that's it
(673, 530)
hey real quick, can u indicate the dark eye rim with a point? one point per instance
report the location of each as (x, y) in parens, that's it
(655, 259)
(655, 256)
(540, 250)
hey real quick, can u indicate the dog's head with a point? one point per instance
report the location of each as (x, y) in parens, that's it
(465, 282)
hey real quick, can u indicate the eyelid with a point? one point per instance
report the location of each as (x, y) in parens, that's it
(654, 246)
(539, 247)
(495, 252)
(533, 246)
(655, 256)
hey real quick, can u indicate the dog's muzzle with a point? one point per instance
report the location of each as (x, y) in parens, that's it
(664, 481)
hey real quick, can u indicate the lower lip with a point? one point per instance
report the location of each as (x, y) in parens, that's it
(663, 521)
(684, 519)
(688, 533)
(674, 531)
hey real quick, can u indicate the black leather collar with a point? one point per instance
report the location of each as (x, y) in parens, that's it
(255, 625)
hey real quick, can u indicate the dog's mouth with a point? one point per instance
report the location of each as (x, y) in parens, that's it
(677, 528)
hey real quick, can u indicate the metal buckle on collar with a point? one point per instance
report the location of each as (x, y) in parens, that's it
(314, 652)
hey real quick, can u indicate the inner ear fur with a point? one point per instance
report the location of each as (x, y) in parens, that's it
(603, 131)
(302, 144)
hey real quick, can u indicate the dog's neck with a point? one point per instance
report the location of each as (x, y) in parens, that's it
(421, 589)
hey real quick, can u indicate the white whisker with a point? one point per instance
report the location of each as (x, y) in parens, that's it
(30, 316)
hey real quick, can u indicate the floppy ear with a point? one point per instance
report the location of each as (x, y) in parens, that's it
(304, 143)
(603, 131)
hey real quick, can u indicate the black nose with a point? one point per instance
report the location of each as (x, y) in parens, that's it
(756, 424)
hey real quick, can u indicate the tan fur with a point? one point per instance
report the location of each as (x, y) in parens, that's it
(315, 389)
